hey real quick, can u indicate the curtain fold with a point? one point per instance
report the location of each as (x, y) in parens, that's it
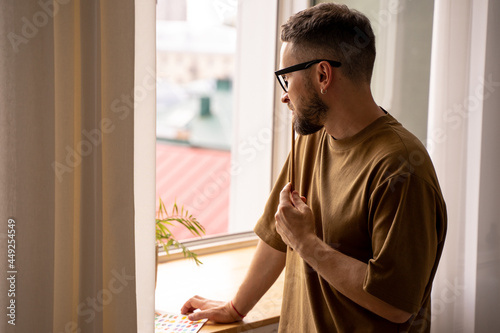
(67, 164)
(463, 143)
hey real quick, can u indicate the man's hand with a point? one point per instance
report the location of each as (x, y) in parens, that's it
(266, 266)
(218, 311)
(294, 219)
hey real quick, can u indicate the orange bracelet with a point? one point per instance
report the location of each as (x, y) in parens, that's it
(239, 314)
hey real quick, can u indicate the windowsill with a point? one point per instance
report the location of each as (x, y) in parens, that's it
(218, 278)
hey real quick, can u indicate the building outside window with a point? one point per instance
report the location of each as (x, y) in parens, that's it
(196, 45)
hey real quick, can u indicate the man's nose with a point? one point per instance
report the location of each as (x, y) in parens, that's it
(284, 98)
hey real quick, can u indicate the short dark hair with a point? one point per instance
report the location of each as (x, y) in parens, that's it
(334, 32)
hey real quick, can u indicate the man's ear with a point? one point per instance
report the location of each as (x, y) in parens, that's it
(324, 74)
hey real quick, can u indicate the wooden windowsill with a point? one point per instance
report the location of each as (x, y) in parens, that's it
(218, 278)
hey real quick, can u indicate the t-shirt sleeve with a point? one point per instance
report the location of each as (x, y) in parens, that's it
(406, 225)
(266, 226)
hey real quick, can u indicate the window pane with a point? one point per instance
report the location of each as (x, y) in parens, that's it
(196, 44)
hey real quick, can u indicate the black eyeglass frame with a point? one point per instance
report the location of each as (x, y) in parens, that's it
(300, 67)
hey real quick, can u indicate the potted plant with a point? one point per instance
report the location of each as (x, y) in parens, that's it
(165, 238)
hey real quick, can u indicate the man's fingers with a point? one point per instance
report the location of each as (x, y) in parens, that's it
(289, 197)
(200, 315)
(187, 307)
(218, 314)
(192, 304)
(285, 200)
(285, 194)
(217, 311)
(298, 201)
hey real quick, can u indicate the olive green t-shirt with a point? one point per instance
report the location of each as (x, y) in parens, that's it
(375, 197)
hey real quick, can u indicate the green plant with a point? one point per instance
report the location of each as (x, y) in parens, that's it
(164, 236)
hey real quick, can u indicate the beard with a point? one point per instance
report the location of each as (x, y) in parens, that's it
(310, 117)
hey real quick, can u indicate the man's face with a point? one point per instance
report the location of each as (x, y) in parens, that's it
(309, 110)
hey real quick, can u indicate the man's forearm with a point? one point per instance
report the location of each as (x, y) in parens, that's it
(346, 275)
(267, 265)
(295, 224)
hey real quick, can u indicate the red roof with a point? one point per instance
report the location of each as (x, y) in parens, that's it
(198, 179)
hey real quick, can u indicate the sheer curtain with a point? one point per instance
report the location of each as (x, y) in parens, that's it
(463, 142)
(68, 96)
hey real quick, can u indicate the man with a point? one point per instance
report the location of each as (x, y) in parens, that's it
(362, 244)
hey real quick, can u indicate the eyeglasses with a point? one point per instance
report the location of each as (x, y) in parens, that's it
(282, 80)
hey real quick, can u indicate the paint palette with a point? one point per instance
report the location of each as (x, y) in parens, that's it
(166, 322)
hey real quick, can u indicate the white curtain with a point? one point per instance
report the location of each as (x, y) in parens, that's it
(68, 102)
(463, 141)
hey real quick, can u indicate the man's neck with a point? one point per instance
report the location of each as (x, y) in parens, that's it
(349, 115)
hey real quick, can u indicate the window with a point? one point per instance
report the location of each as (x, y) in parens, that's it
(215, 101)
(222, 133)
(196, 45)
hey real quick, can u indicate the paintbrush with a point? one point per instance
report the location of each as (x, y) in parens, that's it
(292, 159)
